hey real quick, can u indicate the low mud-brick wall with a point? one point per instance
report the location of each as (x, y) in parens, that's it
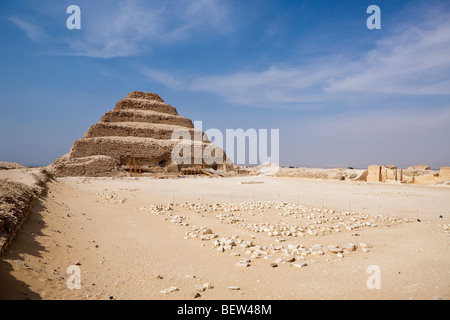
(16, 201)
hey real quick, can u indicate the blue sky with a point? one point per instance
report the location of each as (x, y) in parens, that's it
(341, 94)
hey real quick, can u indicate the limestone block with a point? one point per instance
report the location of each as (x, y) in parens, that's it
(445, 173)
(374, 174)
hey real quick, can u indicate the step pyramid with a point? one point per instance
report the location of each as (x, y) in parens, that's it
(136, 138)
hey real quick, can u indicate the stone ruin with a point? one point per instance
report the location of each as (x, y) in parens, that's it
(384, 173)
(135, 138)
(445, 173)
(421, 174)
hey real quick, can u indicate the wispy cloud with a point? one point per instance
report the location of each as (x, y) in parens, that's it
(33, 31)
(130, 28)
(413, 61)
(271, 87)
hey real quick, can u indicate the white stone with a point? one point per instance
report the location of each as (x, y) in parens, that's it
(349, 247)
(207, 231)
(279, 260)
(230, 242)
(207, 285)
(334, 249)
(300, 264)
(365, 245)
(289, 259)
(304, 253)
(242, 264)
(169, 290)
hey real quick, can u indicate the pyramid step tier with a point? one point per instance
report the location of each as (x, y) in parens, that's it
(141, 130)
(124, 148)
(141, 104)
(144, 96)
(131, 115)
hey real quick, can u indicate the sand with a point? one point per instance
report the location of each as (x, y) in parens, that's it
(126, 252)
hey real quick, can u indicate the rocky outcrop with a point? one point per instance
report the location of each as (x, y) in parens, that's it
(9, 165)
(86, 166)
(137, 137)
(420, 167)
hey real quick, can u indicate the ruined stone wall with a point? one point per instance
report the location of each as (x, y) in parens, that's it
(374, 173)
(16, 201)
(417, 174)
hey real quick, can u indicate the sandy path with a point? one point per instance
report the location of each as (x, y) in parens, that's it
(122, 249)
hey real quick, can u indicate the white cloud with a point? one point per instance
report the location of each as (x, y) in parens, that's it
(415, 61)
(131, 27)
(271, 87)
(34, 32)
(128, 28)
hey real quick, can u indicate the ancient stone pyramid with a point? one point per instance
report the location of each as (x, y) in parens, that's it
(136, 138)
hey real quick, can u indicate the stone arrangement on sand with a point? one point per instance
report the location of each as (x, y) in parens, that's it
(136, 138)
(285, 248)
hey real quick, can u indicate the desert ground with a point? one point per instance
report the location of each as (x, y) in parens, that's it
(249, 237)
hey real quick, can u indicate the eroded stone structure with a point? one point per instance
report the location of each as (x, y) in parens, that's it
(136, 137)
(420, 174)
(384, 173)
(374, 173)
